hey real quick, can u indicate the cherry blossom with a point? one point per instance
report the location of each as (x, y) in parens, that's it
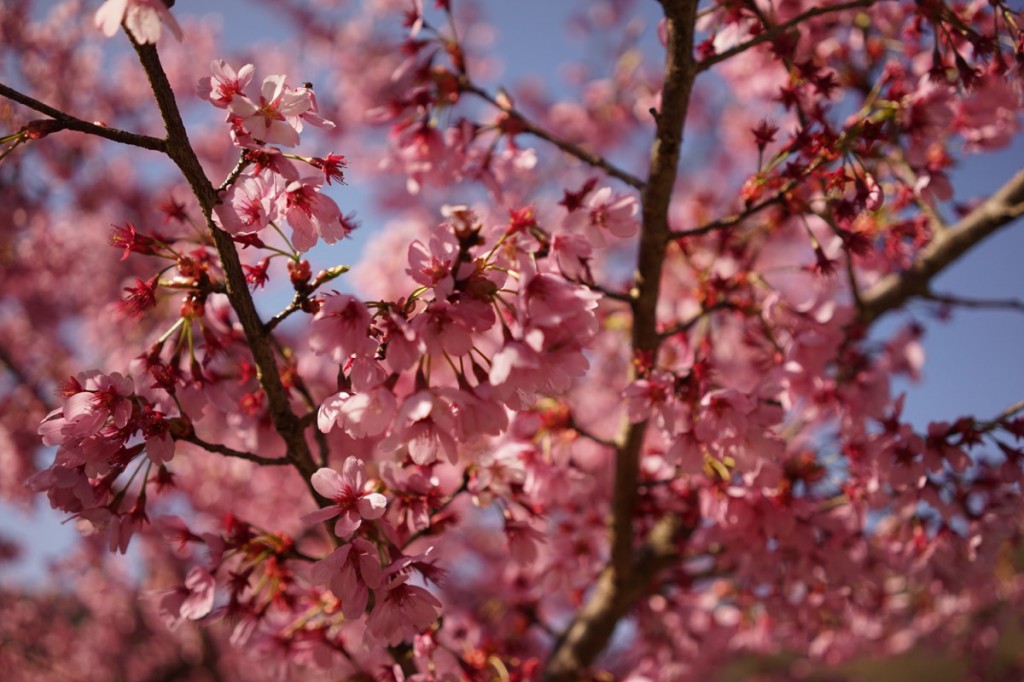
(353, 501)
(612, 381)
(142, 18)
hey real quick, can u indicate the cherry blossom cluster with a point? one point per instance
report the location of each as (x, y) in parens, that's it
(610, 364)
(94, 431)
(272, 190)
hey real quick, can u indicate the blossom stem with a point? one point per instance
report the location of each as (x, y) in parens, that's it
(590, 158)
(231, 452)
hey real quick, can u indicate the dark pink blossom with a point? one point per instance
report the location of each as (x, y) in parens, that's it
(401, 611)
(352, 571)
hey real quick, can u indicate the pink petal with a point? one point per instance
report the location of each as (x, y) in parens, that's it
(372, 506)
(320, 515)
(347, 524)
(328, 483)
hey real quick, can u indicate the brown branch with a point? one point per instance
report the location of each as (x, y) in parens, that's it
(628, 573)
(964, 302)
(612, 600)
(1009, 412)
(67, 122)
(681, 327)
(569, 148)
(179, 149)
(231, 452)
(301, 298)
(996, 212)
(778, 29)
(736, 218)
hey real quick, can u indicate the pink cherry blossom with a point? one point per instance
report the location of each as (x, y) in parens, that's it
(352, 571)
(191, 601)
(350, 492)
(341, 328)
(401, 611)
(433, 265)
(142, 18)
(312, 214)
(425, 426)
(250, 205)
(362, 415)
(275, 118)
(225, 83)
(604, 213)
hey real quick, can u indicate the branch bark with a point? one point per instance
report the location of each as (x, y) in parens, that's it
(179, 149)
(587, 157)
(627, 574)
(993, 214)
(231, 452)
(773, 31)
(67, 122)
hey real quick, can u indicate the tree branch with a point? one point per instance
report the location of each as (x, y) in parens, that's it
(569, 148)
(68, 122)
(996, 212)
(612, 600)
(286, 423)
(231, 452)
(964, 302)
(778, 29)
(735, 218)
(627, 574)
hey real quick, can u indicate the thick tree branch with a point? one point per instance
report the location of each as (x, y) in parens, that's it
(286, 423)
(628, 574)
(68, 122)
(996, 212)
(612, 600)
(587, 157)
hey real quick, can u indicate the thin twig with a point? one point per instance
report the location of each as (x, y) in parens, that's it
(231, 452)
(681, 327)
(301, 298)
(67, 122)
(964, 302)
(569, 148)
(736, 218)
(778, 29)
(1011, 411)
